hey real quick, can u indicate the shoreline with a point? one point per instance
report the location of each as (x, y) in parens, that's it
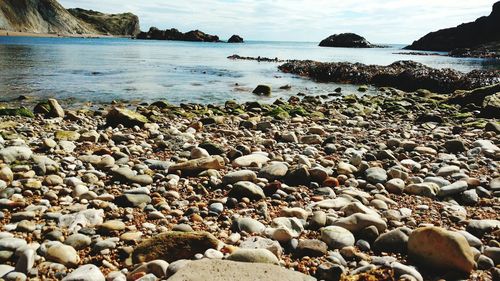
(5, 33)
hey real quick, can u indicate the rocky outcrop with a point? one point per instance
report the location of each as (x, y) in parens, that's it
(48, 16)
(470, 35)
(346, 40)
(40, 16)
(404, 75)
(235, 39)
(175, 35)
(126, 24)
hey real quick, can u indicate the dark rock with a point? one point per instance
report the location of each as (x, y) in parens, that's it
(467, 35)
(175, 35)
(492, 127)
(486, 98)
(404, 75)
(235, 39)
(329, 272)
(173, 245)
(262, 90)
(347, 40)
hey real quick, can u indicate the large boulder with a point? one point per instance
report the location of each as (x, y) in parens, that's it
(224, 270)
(346, 40)
(174, 245)
(440, 249)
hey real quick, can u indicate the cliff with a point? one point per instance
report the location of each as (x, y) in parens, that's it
(113, 24)
(48, 16)
(481, 32)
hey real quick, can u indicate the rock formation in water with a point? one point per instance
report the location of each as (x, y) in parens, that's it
(175, 35)
(403, 75)
(112, 24)
(235, 39)
(482, 34)
(346, 40)
(48, 16)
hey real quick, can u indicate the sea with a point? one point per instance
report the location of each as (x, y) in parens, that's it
(102, 70)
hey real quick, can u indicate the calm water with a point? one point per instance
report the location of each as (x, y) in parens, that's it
(122, 69)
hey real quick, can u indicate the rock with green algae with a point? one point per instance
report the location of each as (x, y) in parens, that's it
(278, 113)
(173, 245)
(125, 117)
(22, 111)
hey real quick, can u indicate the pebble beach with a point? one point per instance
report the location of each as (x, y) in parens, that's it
(390, 186)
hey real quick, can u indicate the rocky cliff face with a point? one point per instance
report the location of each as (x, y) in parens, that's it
(39, 16)
(48, 16)
(468, 35)
(112, 24)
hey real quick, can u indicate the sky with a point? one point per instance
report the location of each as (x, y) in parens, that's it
(379, 21)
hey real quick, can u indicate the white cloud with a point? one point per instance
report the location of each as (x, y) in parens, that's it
(380, 21)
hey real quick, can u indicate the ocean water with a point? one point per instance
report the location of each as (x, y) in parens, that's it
(102, 70)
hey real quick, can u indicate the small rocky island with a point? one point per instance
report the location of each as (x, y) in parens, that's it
(235, 39)
(346, 40)
(175, 35)
(480, 38)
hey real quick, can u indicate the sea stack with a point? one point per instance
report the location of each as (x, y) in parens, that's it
(346, 40)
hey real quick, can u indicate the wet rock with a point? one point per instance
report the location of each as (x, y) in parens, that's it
(172, 246)
(262, 90)
(440, 249)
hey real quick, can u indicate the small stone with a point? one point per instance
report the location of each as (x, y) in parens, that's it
(253, 256)
(337, 237)
(311, 248)
(63, 254)
(247, 189)
(243, 175)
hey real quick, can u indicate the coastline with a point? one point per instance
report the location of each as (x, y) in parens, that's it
(6, 33)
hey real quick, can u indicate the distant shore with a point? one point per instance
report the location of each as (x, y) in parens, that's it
(4, 33)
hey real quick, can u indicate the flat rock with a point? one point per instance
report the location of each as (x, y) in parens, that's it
(224, 270)
(253, 256)
(273, 171)
(358, 221)
(173, 245)
(243, 175)
(15, 153)
(250, 160)
(88, 272)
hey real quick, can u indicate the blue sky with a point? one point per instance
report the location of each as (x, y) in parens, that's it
(380, 21)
